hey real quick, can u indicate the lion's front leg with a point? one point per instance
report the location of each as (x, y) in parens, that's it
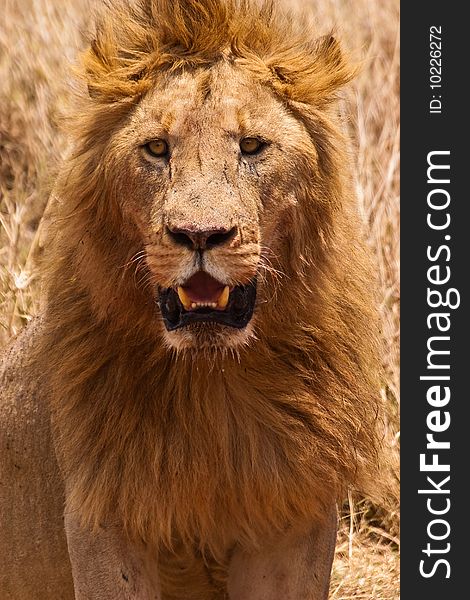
(107, 566)
(298, 568)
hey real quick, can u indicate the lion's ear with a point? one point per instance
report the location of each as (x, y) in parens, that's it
(94, 61)
(335, 68)
(98, 63)
(111, 66)
(313, 73)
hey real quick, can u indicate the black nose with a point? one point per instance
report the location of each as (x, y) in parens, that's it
(201, 239)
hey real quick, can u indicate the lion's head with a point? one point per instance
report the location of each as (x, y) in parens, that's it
(214, 144)
(211, 167)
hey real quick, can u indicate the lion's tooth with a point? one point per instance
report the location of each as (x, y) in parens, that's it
(223, 298)
(185, 299)
(193, 305)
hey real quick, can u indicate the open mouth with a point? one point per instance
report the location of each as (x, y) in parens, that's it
(204, 299)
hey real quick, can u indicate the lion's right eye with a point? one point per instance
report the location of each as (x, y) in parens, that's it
(157, 148)
(251, 145)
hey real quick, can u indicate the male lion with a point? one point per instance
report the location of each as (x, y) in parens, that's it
(201, 386)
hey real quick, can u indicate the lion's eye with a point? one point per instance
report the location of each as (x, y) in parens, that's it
(251, 145)
(157, 148)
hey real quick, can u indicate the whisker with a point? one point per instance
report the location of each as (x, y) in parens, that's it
(270, 275)
(138, 256)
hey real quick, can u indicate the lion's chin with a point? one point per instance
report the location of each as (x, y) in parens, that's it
(209, 337)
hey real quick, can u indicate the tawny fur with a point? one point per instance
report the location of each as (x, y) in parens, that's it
(195, 451)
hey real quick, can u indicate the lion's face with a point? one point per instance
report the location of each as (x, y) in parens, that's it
(209, 164)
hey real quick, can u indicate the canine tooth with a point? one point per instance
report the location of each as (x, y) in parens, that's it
(193, 305)
(223, 298)
(185, 299)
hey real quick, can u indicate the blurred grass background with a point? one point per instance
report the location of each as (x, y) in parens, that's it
(39, 39)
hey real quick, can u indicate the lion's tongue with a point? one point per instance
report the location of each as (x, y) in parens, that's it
(203, 290)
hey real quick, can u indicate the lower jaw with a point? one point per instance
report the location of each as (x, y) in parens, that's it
(208, 337)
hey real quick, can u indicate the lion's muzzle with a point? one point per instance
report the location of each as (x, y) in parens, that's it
(204, 299)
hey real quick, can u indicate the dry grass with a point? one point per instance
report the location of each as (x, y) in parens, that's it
(39, 38)
(37, 41)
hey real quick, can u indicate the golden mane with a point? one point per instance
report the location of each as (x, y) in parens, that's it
(194, 448)
(135, 41)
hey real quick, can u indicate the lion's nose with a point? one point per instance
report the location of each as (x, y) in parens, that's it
(201, 239)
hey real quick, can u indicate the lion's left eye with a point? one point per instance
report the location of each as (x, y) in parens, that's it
(158, 148)
(251, 145)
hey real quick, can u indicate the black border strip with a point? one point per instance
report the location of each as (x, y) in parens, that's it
(424, 132)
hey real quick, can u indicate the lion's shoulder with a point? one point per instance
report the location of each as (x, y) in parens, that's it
(17, 374)
(32, 541)
(23, 403)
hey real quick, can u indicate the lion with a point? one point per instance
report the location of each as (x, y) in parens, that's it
(201, 386)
